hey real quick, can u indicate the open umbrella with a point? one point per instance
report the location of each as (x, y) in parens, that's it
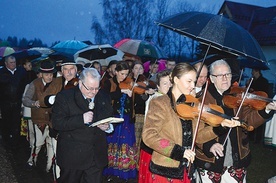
(4, 51)
(143, 49)
(102, 53)
(215, 31)
(27, 54)
(42, 50)
(69, 47)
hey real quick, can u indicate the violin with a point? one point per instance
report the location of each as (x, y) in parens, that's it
(126, 84)
(212, 114)
(257, 99)
(142, 84)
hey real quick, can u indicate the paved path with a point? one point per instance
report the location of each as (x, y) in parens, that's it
(6, 171)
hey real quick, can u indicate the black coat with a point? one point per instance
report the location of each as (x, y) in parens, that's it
(79, 145)
(12, 85)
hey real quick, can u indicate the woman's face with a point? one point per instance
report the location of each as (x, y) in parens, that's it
(186, 83)
(164, 85)
(137, 70)
(121, 75)
(28, 66)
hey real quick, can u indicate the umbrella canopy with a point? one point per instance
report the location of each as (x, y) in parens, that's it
(216, 31)
(139, 48)
(253, 64)
(57, 56)
(27, 54)
(69, 47)
(42, 50)
(102, 53)
(5, 51)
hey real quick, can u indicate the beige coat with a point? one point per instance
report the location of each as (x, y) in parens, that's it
(163, 132)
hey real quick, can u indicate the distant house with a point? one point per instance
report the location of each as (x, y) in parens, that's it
(261, 23)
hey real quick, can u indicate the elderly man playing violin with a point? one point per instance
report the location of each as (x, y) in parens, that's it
(226, 158)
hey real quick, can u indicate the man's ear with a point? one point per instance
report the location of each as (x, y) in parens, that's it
(212, 79)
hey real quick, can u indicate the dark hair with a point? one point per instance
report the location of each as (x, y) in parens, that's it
(154, 62)
(95, 62)
(162, 74)
(112, 62)
(180, 69)
(123, 65)
(24, 61)
(137, 62)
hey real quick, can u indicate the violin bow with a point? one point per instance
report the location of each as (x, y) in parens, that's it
(240, 77)
(135, 82)
(103, 75)
(198, 121)
(238, 111)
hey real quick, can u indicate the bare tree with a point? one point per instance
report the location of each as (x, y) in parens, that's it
(123, 19)
(135, 19)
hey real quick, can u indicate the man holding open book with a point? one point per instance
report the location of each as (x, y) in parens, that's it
(82, 148)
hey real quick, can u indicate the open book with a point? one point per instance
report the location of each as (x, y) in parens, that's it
(108, 120)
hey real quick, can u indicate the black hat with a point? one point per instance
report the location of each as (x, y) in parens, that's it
(111, 63)
(68, 62)
(46, 66)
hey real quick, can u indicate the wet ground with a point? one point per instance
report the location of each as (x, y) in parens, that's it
(14, 169)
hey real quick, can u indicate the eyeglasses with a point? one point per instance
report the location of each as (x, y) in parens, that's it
(221, 76)
(90, 89)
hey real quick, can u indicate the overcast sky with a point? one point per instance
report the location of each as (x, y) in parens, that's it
(59, 20)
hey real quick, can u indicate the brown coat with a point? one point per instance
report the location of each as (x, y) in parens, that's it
(163, 133)
(36, 90)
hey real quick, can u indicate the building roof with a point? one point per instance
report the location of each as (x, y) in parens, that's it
(259, 21)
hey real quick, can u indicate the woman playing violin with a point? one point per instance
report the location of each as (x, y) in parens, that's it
(168, 134)
(121, 144)
(141, 91)
(226, 158)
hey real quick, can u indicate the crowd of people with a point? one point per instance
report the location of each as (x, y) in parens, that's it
(154, 143)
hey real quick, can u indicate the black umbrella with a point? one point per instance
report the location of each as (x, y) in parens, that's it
(27, 54)
(102, 53)
(217, 32)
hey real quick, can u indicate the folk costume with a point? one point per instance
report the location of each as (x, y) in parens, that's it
(270, 129)
(60, 84)
(122, 151)
(40, 121)
(169, 136)
(232, 166)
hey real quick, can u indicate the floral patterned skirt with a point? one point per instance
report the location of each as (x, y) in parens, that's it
(122, 151)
